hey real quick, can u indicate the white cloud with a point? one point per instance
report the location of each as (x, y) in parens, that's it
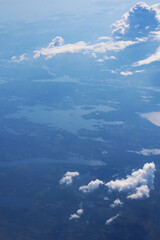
(148, 152)
(93, 185)
(153, 58)
(19, 59)
(106, 58)
(106, 198)
(77, 214)
(113, 71)
(137, 179)
(122, 25)
(116, 203)
(153, 117)
(109, 58)
(68, 178)
(79, 211)
(82, 47)
(140, 71)
(104, 38)
(74, 216)
(140, 19)
(109, 221)
(144, 21)
(140, 192)
(100, 60)
(94, 55)
(155, 35)
(127, 73)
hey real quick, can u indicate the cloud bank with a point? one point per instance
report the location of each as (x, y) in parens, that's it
(68, 178)
(57, 46)
(134, 182)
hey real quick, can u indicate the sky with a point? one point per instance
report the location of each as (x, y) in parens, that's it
(18, 10)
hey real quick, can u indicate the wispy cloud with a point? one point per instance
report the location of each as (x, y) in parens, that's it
(127, 73)
(109, 221)
(147, 152)
(153, 58)
(21, 58)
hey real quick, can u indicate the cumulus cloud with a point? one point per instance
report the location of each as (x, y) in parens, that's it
(19, 59)
(76, 215)
(116, 203)
(122, 25)
(138, 21)
(57, 46)
(93, 185)
(141, 177)
(148, 152)
(109, 221)
(140, 192)
(68, 178)
(106, 198)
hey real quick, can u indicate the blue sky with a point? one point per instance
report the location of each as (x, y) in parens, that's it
(36, 9)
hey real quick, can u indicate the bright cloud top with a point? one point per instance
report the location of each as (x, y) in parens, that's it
(57, 46)
(140, 192)
(68, 178)
(93, 185)
(139, 20)
(133, 182)
(77, 214)
(116, 203)
(109, 221)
